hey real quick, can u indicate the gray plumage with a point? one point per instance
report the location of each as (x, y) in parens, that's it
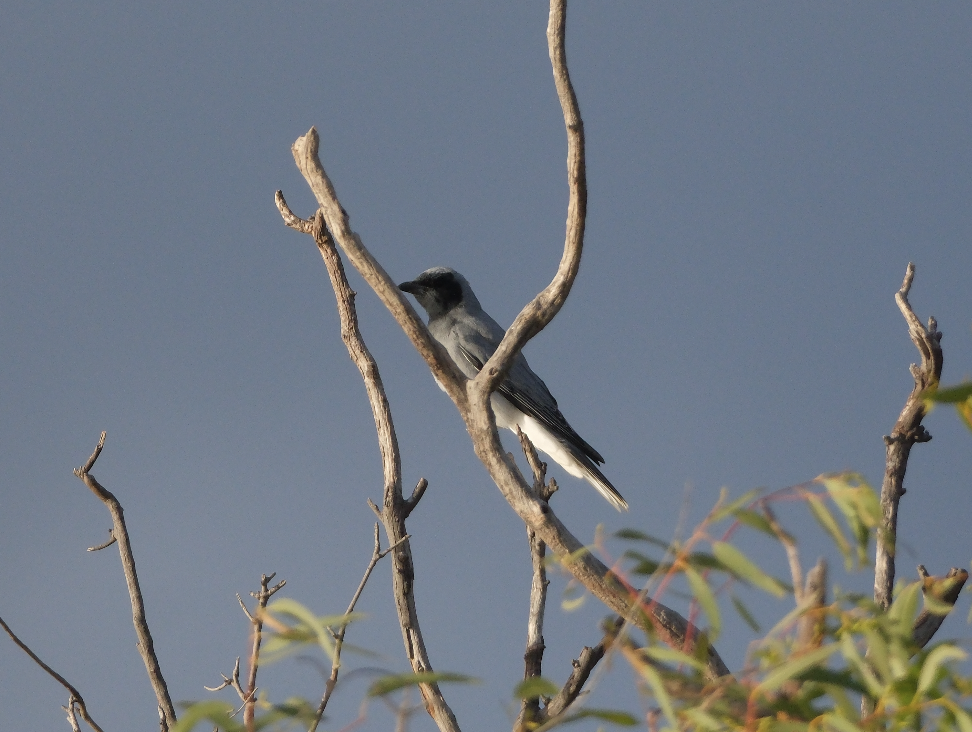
(470, 335)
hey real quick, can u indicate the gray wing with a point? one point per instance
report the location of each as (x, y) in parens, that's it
(526, 391)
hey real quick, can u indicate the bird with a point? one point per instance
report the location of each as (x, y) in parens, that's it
(470, 336)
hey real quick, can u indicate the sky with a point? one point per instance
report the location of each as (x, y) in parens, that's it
(759, 178)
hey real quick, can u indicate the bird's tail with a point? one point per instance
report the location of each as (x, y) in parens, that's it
(596, 478)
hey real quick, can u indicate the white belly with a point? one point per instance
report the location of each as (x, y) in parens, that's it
(509, 417)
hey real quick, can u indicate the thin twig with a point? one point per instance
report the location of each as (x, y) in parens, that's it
(107, 544)
(376, 557)
(789, 545)
(72, 714)
(583, 665)
(145, 645)
(75, 694)
(533, 656)
(262, 597)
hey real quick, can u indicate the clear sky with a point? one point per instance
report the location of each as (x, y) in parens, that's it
(760, 176)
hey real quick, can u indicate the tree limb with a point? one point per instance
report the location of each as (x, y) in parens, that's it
(907, 431)
(75, 697)
(472, 398)
(145, 646)
(394, 505)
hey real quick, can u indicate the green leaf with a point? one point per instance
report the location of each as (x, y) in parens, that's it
(933, 662)
(742, 567)
(661, 695)
(744, 500)
(644, 565)
(823, 675)
(840, 724)
(670, 655)
(534, 687)
(904, 609)
(704, 720)
(826, 519)
(212, 711)
(388, 684)
(962, 717)
(755, 521)
(703, 560)
(744, 613)
(703, 593)
(634, 535)
(950, 394)
(613, 716)
(309, 627)
(794, 667)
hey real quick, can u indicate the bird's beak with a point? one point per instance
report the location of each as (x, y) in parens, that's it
(410, 287)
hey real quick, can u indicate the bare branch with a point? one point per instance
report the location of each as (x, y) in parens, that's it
(412, 501)
(249, 694)
(376, 556)
(907, 431)
(472, 398)
(810, 627)
(944, 591)
(583, 666)
(394, 506)
(75, 694)
(120, 532)
(107, 544)
(792, 554)
(72, 715)
(533, 657)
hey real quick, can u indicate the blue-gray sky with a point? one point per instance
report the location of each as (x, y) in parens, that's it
(760, 176)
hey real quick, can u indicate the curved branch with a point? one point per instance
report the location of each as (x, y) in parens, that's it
(75, 694)
(471, 398)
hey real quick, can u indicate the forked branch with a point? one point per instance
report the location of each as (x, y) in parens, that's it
(395, 507)
(472, 398)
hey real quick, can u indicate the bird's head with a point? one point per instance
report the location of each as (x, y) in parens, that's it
(440, 290)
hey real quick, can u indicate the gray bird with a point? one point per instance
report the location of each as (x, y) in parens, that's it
(459, 323)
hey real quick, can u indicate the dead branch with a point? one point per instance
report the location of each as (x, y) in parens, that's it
(810, 627)
(472, 397)
(256, 619)
(75, 697)
(533, 657)
(394, 505)
(583, 666)
(907, 431)
(119, 531)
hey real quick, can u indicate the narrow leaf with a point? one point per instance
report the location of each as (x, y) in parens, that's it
(745, 614)
(823, 675)
(794, 667)
(743, 567)
(388, 684)
(634, 535)
(744, 500)
(826, 519)
(840, 724)
(933, 662)
(950, 394)
(213, 711)
(622, 719)
(670, 655)
(661, 695)
(754, 521)
(534, 687)
(703, 593)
